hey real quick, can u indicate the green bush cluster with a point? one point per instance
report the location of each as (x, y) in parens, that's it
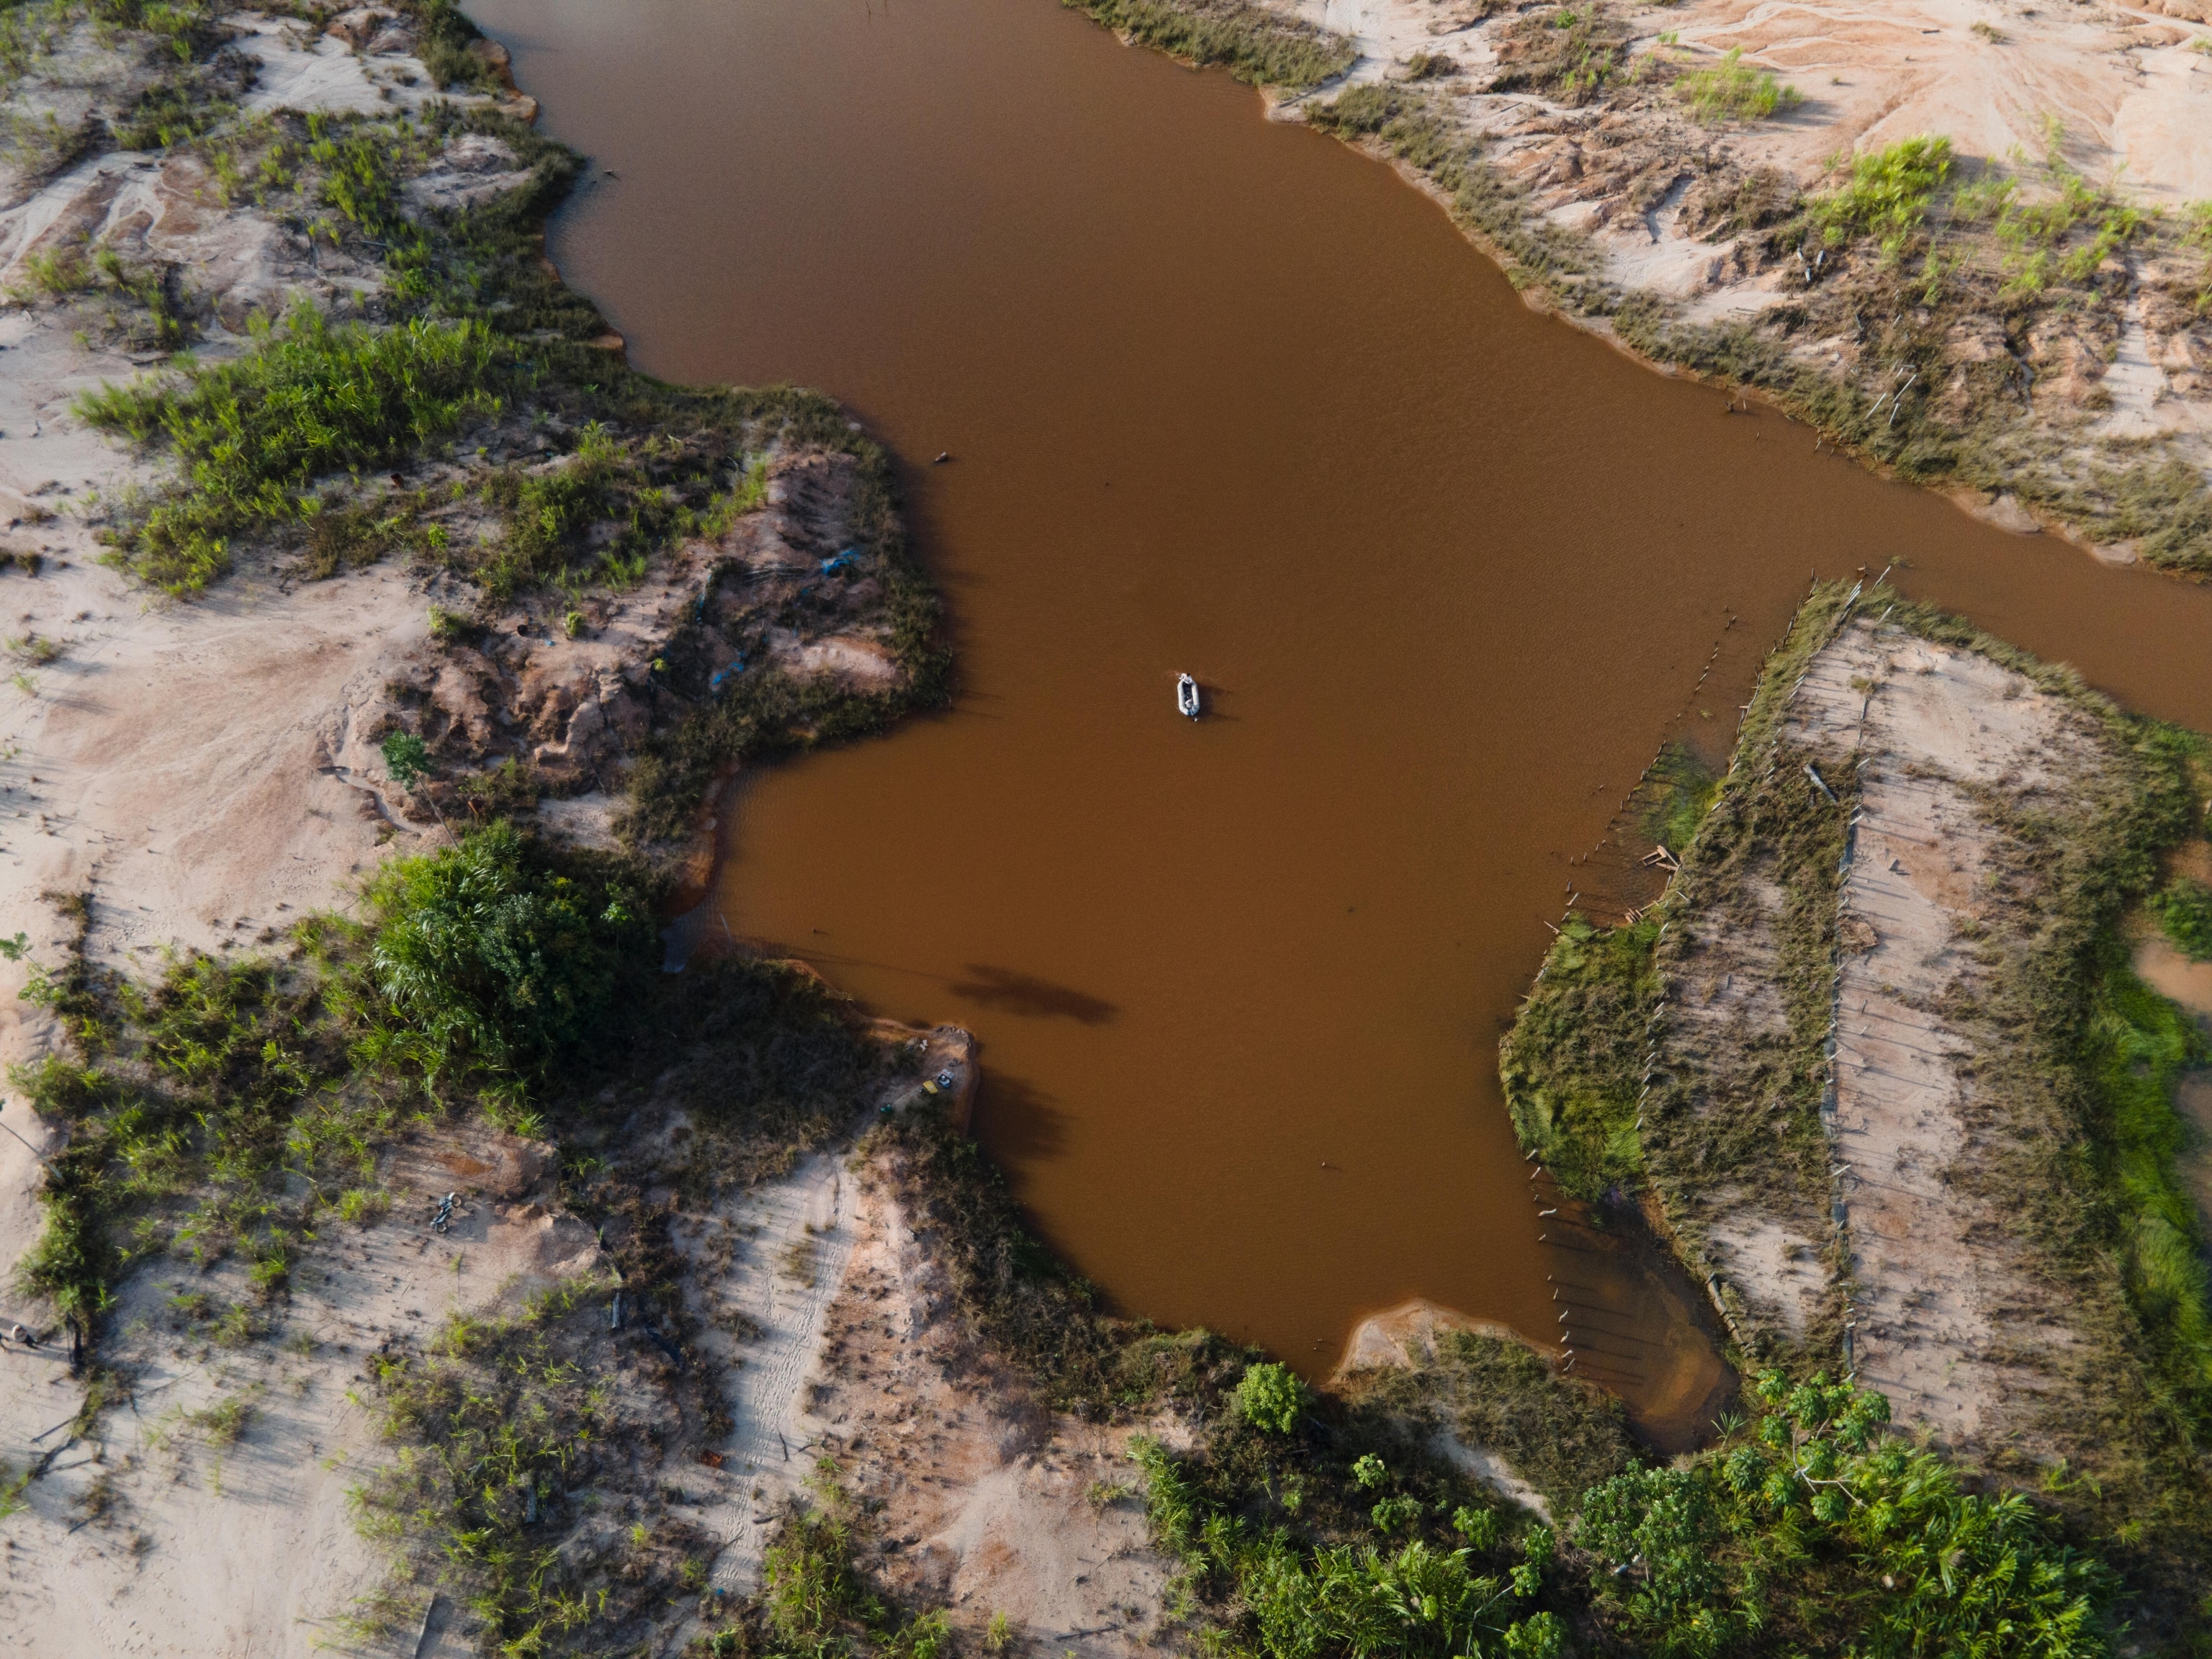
(1287, 1596)
(2184, 909)
(1731, 90)
(1811, 1531)
(1886, 195)
(1807, 1531)
(488, 957)
(254, 433)
(1271, 1396)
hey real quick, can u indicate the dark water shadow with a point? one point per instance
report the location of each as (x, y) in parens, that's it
(1019, 1121)
(1637, 1324)
(1010, 991)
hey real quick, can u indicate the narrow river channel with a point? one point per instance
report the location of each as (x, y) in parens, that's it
(1223, 396)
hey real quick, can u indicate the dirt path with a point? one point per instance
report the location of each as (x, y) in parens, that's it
(792, 1240)
(1944, 1295)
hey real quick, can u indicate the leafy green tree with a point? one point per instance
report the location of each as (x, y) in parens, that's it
(407, 757)
(1270, 1397)
(1813, 1519)
(493, 960)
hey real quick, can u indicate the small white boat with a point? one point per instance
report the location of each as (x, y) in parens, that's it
(1187, 702)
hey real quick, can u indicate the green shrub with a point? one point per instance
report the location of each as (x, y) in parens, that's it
(1420, 1601)
(2184, 909)
(491, 961)
(251, 435)
(1886, 195)
(1270, 1397)
(1731, 90)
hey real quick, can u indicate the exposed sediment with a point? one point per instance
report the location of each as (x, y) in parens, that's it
(2020, 323)
(1870, 1108)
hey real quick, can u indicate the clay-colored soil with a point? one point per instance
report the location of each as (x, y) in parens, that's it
(2130, 85)
(1952, 1321)
(989, 1502)
(157, 1532)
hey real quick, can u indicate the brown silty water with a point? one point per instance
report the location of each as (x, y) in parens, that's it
(1223, 396)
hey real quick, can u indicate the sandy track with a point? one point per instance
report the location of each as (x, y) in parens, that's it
(990, 1504)
(792, 1240)
(1942, 1285)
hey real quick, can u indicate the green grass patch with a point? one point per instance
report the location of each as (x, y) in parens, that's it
(1675, 795)
(1808, 1531)
(252, 436)
(1731, 90)
(2184, 909)
(504, 1427)
(1573, 1064)
(2140, 1045)
(1886, 194)
(1499, 1396)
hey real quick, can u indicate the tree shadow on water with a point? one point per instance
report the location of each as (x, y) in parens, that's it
(1019, 1122)
(1010, 991)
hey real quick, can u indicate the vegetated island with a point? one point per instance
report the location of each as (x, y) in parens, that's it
(1973, 248)
(434, 1273)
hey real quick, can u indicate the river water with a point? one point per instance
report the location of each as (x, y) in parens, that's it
(1223, 396)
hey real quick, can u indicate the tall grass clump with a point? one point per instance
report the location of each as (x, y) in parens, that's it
(205, 1120)
(1886, 194)
(2141, 1045)
(1731, 90)
(2184, 909)
(253, 436)
(505, 1428)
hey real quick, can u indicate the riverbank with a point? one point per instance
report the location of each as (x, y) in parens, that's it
(1868, 1061)
(1971, 249)
(467, 1208)
(345, 541)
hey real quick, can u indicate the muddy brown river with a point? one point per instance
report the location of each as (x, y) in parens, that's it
(1226, 396)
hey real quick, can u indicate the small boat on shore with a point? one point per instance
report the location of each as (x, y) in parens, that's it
(1187, 700)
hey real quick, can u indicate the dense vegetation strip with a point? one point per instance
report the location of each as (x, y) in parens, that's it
(1904, 248)
(1255, 43)
(1806, 1529)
